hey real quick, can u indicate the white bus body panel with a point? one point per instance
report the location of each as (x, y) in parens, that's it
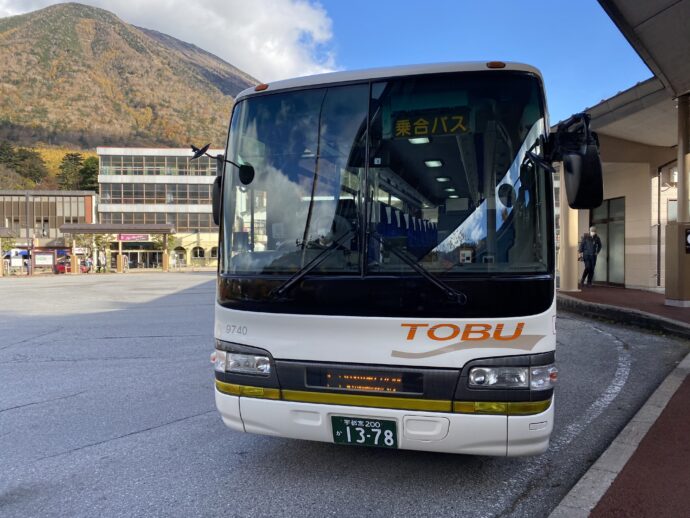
(384, 341)
(425, 431)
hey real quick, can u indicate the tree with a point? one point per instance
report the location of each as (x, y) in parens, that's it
(68, 176)
(103, 241)
(88, 174)
(8, 244)
(30, 164)
(157, 240)
(7, 155)
(83, 241)
(11, 180)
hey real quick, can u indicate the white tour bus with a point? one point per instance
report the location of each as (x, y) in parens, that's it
(387, 262)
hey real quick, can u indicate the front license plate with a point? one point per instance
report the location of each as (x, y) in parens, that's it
(364, 432)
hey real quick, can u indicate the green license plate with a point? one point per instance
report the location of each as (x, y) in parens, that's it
(363, 431)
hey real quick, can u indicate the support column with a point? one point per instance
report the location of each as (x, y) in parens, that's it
(74, 259)
(94, 254)
(677, 287)
(683, 159)
(166, 258)
(569, 235)
(120, 262)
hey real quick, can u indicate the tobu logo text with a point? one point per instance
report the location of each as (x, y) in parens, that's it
(466, 333)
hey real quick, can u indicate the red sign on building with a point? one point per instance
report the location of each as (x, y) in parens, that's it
(133, 237)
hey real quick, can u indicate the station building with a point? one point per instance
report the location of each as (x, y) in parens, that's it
(34, 217)
(644, 135)
(160, 186)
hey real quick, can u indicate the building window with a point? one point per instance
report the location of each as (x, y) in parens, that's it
(672, 210)
(214, 252)
(198, 252)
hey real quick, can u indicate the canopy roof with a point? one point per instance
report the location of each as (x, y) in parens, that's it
(659, 30)
(645, 113)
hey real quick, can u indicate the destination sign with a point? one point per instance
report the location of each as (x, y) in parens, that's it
(427, 124)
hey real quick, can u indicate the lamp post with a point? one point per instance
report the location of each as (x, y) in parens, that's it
(166, 258)
(30, 261)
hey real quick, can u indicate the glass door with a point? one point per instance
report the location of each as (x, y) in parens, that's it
(609, 218)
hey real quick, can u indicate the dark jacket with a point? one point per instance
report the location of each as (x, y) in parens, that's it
(590, 245)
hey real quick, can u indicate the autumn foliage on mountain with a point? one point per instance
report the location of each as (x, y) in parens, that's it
(79, 77)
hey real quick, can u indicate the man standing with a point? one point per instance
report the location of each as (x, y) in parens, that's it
(589, 248)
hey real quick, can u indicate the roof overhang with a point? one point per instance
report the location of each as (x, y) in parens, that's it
(146, 151)
(659, 30)
(644, 113)
(106, 228)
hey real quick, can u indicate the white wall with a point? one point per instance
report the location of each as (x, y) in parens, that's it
(633, 182)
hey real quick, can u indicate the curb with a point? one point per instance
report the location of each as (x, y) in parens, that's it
(629, 316)
(590, 489)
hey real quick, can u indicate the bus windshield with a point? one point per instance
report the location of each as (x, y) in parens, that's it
(362, 179)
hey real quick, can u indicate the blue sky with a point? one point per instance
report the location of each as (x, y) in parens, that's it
(580, 52)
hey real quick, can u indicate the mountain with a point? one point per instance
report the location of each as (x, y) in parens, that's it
(77, 75)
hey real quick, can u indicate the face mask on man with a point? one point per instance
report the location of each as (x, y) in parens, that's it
(592, 234)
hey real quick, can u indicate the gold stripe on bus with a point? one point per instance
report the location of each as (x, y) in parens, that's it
(501, 408)
(247, 390)
(528, 407)
(433, 405)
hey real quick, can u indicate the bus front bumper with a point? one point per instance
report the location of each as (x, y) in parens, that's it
(499, 435)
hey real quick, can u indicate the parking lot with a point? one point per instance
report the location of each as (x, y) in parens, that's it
(106, 408)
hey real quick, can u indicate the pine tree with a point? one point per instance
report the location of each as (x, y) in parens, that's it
(7, 155)
(30, 164)
(88, 174)
(68, 177)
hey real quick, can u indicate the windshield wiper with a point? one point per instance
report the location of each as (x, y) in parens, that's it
(453, 295)
(335, 245)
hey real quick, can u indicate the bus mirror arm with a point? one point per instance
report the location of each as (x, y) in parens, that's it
(246, 171)
(537, 160)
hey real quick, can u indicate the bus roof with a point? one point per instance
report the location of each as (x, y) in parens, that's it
(384, 72)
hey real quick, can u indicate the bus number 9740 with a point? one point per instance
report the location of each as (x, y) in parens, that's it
(235, 330)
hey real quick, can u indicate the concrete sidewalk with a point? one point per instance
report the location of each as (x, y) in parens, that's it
(646, 469)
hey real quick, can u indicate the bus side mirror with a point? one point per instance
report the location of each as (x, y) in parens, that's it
(246, 174)
(582, 176)
(578, 148)
(216, 195)
(245, 171)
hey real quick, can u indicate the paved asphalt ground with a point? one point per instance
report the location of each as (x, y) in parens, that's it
(106, 409)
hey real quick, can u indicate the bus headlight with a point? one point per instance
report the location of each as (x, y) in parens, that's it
(499, 377)
(218, 359)
(248, 364)
(543, 377)
(224, 361)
